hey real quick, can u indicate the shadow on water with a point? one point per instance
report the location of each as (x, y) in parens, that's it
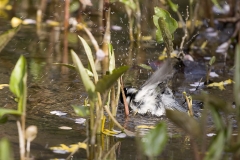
(55, 88)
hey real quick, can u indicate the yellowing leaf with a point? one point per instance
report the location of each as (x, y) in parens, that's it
(82, 145)
(106, 131)
(15, 22)
(229, 81)
(109, 133)
(217, 84)
(164, 55)
(69, 149)
(221, 84)
(3, 3)
(146, 38)
(144, 127)
(52, 23)
(204, 44)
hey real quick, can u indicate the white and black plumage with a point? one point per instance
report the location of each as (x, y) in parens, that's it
(154, 96)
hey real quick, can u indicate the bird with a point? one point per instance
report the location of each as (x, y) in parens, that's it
(154, 96)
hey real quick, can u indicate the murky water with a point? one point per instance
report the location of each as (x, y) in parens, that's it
(55, 88)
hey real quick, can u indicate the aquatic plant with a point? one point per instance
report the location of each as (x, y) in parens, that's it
(18, 86)
(166, 25)
(219, 109)
(98, 92)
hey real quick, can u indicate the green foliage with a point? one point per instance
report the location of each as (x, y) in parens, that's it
(7, 36)
(214, 103)
(90, 57)
(223, 128)
(17, 77)
(4, 118)
(5, 150)
(82, 111)
(107, 81)
(212, 60)
(187, 123)
(74, 6)
(236, 87)
(88, 84)
(111, 59)
(216, 148)
(173, 6)
(4, 111)
(144, 66)
(70, 66)
(18, 86)
(215, 2)
(129, 4)
(170, 23)
(154, 141)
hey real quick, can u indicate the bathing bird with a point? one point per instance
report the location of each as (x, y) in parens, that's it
(154, 96)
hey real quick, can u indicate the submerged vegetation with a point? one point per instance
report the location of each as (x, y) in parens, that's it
(104, 77)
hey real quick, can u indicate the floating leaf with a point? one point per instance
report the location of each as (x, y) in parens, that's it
(187, 123)
(171, 24)
(82, 111)
(69, 149)
(221, 84)
(108, 80)
(16, 80)
(65, 128)
(154, 141)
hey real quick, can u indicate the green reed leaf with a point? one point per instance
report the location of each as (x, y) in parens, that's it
(17, 77)
(90, 57)
(154, 141)
(88, 84)
(187, 123)
(170, 23)
(5, 149)
(82, 111)
(108, 80)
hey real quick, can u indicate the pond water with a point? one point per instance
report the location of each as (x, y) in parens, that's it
(55, 88)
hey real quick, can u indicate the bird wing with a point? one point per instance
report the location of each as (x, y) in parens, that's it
(161, 75)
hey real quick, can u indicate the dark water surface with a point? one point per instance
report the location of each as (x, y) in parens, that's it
(55, 88)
